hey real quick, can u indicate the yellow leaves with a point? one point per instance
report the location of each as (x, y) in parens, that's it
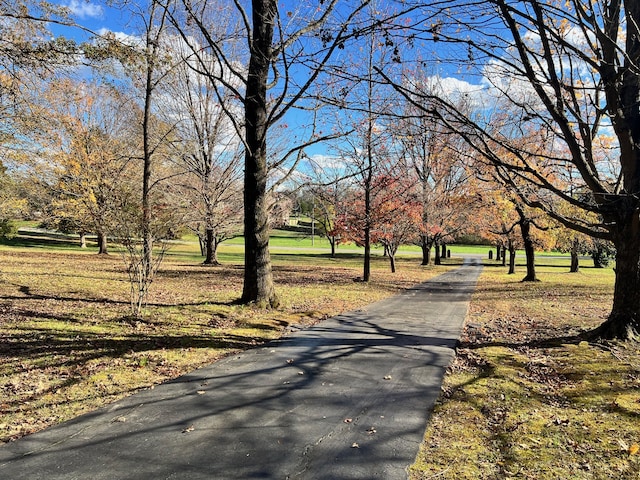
(564, 25)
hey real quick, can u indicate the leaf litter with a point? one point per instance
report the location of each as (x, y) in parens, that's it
(526, 398)
(68, 345)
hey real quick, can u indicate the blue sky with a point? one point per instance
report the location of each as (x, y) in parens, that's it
(92, 15)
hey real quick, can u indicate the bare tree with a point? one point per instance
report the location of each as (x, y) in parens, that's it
(266, 50)
(207, 153)
(567, 74)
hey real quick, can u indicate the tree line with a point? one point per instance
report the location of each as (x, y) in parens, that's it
(405, 122)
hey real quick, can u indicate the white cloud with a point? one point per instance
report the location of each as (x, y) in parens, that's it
(327, 162)
(85, 9)
(125, 38)
(456, 91)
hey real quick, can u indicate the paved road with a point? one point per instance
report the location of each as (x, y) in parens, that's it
(346, 399)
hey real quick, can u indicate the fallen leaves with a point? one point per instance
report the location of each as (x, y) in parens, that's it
(526, 398)
(631, 450)
(67, 346)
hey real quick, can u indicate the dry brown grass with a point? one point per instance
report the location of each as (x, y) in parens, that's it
(68, 345)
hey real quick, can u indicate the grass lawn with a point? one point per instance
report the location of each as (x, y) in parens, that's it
(68, 344)
(525, 398)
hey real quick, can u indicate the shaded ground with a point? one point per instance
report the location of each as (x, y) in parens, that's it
(69, 346)
(348, 398)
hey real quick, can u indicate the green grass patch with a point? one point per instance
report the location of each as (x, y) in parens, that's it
(525, 398)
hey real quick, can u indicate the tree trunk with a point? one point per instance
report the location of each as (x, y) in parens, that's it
(512, 258)
(624, 320)
(366, 270)
(102, 243)
(575, 261)
(437, 260)
(332, 242)
(498, 248)
(214, 253)
(426, 251)
(258, 278)
(504, 256)
(623, 91)
(147, 153)
(203, 245)
(525, 229)
(392, 262)
(210, 248)
(443, 253)
(597, 260)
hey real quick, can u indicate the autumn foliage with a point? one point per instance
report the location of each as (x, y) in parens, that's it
(395, 217)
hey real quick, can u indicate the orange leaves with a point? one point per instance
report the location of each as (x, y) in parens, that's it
(630, 450)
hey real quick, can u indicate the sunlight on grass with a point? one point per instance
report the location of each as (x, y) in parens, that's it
(68, 344)
(525, 397)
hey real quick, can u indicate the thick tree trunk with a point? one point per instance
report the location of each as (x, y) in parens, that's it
(258, 278)
(437, 260)
(443, 248)
(575, 263)
(102, 243)
(504, 256)
(425, 246)
(624, 320)
(622, 88)
(498, 249)
(210, 248)
(332, 242)
(426, 251)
